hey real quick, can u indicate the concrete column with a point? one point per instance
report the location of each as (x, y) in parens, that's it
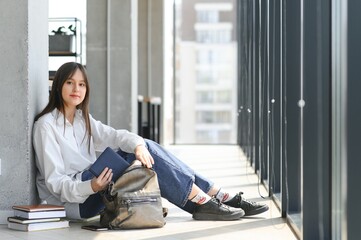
(151, 47)
(156, 47)
(96, 54)
(111, 61)
(124, 57)
(151, 51)
(23, 93)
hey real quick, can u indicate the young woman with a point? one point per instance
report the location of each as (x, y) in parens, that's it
(66, 137)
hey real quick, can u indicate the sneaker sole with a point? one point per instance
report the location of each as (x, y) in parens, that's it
(257, 211)
(217, 217)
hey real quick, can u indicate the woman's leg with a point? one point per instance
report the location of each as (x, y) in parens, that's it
(94, 203)
(176, 179)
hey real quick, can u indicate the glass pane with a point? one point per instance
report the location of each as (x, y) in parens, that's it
(205, 72)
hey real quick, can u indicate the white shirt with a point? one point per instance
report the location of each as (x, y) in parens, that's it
(62, 155)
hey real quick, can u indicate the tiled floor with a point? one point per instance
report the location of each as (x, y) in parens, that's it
(226, 166)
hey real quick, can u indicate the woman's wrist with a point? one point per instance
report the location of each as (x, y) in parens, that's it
(93, 186)
(138, 147)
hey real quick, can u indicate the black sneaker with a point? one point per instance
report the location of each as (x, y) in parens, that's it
(215, 210)
(250, 208)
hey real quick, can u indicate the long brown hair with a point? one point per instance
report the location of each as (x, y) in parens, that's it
(56, 100)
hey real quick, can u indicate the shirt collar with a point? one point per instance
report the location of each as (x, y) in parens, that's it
(59, 116)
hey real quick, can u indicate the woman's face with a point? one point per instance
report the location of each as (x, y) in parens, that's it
(74, 90)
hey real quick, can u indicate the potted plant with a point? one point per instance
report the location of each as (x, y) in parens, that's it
(63, 40)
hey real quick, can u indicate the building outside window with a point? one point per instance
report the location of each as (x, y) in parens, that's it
(205, 97)
(208, 16)
(206, 72)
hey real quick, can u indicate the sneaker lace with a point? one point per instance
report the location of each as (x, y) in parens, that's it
(244, 201)
(220, 204)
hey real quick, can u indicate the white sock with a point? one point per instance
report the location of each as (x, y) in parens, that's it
(223, 196)
(201, 198)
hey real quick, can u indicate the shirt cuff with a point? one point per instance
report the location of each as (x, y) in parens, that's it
(85, 188)
(140, 142)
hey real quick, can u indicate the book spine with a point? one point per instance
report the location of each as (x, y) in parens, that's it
(92, 172)
(37, 215)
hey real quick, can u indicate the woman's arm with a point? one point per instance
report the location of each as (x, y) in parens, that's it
(142, 154)
(52, 168)
(106, 136)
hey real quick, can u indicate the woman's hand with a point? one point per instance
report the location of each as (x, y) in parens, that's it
(102, 181)
(142, 154)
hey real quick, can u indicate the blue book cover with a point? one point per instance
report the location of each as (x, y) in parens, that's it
(109, 158)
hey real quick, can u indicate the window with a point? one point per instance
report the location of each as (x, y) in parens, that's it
(214, 36)
(207, 16)
(224, 96)
(205, 97)
(222, 116)
(209, 117)
(205, 72)
(207, 56)
(206, 76)
(205, 117)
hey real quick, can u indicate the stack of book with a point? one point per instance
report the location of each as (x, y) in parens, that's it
(37, 217)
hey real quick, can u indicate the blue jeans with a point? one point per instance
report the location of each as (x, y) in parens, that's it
(175, 180)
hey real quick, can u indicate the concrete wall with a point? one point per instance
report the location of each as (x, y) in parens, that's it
(23, 92)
